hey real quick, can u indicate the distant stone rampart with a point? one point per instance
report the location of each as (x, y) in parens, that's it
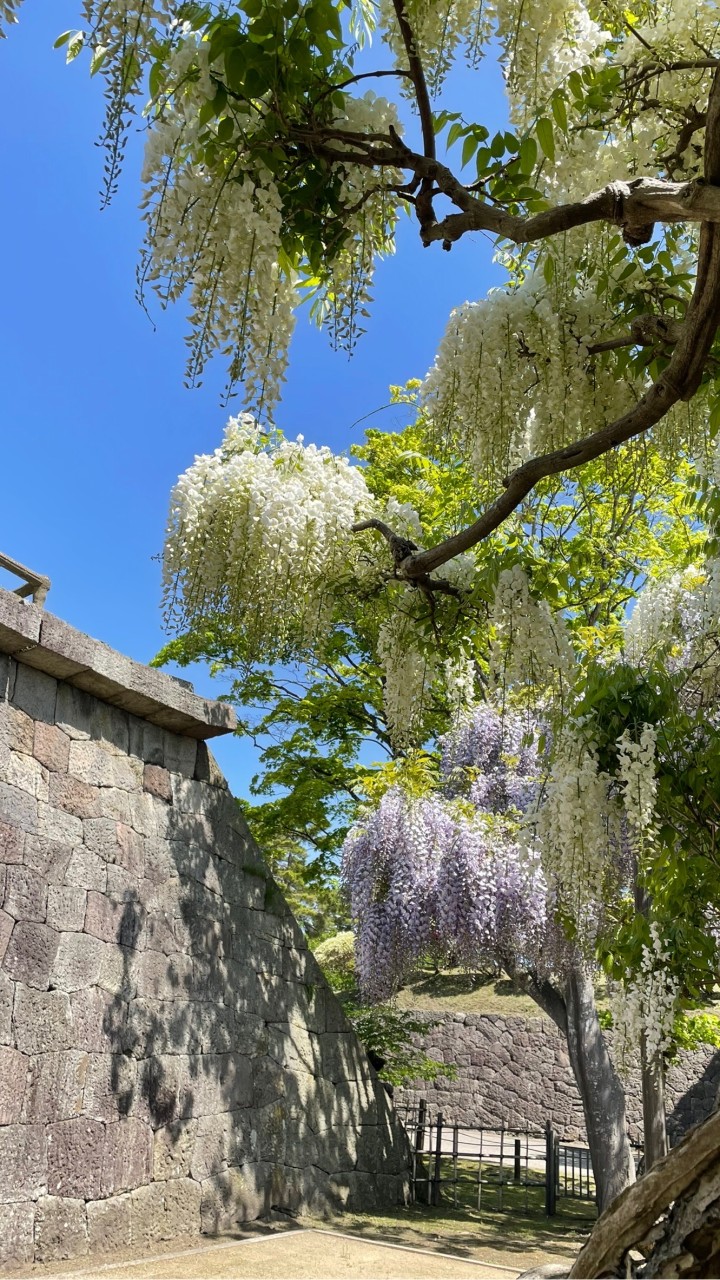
(515, 1072)
(171, 1058)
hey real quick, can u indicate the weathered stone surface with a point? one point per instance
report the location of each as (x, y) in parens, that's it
(34, 693)
(173, 1149)
(74, 796)
(127, 1161)
(156, 780)
(48, 857)
(76, 1149)
(17, 1237)
(13, 1072)
(108, 1224)
(18, 808)
(12, 843)
(25, 894)
(146, 1080)
(55, 1086)
(66, 906)
(164, 1210)
(31, 953)
(51, 747)
(60, 1229)
(86, 871)
(78, 961)
(23, 1164)
(6, 928)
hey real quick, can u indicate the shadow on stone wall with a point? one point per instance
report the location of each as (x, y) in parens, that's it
(171, 1058)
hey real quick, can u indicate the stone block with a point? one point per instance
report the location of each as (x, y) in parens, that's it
(75, 1153)
(7, 996)
(108, 1223)
(147, 741)
(16, 729)
(235, 1196)
(167, 933)
(100, 765)
(17, 1238)
(78, 961)
(115, 922)
(207, 769)
(18, 808)
(117, 972)
(160, 864)
(27, 774)
(220, 1082)
(173, 1149)
(51, 747)
(55, 1086)
(58, 825)
(86, 871)
(60, 1229)
(30, 954)
(49, 858)
(221, 1141)
(70, 795)
(179, 754)
(13, 1073)
(25, 894)
(127, 1162)
(156, 781)
(164, 977)
(162, 1026)
(6, 928)
(35, 693)
(23, 1163)
(66, 906)
(111, 1088)
(12, 843)
(165, 1210)
(165, 1089)
(83, 716)
(99, 1020)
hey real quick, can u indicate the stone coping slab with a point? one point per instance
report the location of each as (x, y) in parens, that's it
(40, 640)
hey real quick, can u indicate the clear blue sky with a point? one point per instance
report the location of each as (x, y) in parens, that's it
(96, 423)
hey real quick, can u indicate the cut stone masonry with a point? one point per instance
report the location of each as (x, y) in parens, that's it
(171, 1058)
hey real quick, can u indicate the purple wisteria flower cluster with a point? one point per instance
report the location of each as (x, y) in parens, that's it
(449, 871)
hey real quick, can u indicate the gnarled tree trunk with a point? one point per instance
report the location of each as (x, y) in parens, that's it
(653, 1100)
(603, 1096)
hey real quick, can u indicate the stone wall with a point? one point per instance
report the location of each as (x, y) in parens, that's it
(171, 1058)
(516, 1072)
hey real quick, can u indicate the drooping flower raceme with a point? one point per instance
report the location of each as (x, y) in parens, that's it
(409, 672)
(636, 774)
(531, 646)
(258, 536)
(645, 1005)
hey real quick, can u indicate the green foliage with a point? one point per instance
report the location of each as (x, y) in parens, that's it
(336, 957)
(694, 1030)
(388, 1032)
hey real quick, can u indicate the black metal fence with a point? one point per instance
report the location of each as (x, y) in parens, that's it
(505, 1170)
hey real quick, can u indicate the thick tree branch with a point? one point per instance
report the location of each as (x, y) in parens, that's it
(679, 381)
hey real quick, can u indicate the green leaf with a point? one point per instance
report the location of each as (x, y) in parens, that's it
(63, 39)
(497, 146)
(559, 111)
(549, 269)
(469, 148)
(528, 155)
(546, 137)
(454, 132)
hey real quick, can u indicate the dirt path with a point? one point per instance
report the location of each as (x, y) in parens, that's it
(301, 1252)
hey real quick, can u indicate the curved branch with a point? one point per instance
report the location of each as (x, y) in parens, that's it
(678, 381)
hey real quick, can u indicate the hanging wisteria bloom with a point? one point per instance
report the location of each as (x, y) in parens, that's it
(258, 537)
(645, 1005)
(531, 646)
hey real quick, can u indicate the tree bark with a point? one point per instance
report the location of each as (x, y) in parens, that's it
(574, 1012)
(653, 1099)
(603, 1096)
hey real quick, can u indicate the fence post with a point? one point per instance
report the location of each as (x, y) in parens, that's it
(438, 1154)
(420, 1133)
(551, 1172)
(517, 1174)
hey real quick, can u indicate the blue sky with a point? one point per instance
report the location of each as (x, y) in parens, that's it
(96, 423)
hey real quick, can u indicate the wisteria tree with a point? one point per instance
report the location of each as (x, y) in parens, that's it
(274, 173)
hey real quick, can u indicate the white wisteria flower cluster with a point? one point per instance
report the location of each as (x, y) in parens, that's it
(530, 644)
(645, 1005)
(408, 675)
(573, 826)
(638, 782)
(513, 376)
(678, 619)
(258, 536)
